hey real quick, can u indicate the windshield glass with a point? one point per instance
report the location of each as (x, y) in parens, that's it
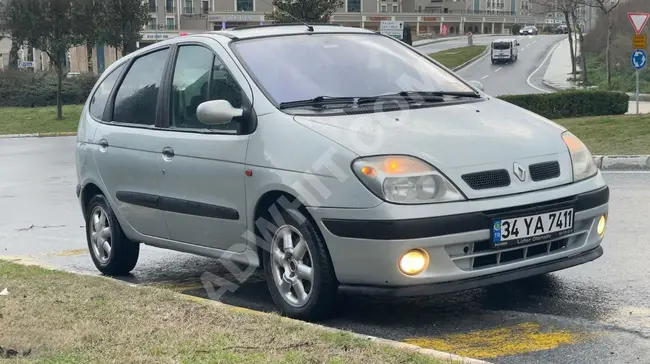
(501, 45)
(291, 68)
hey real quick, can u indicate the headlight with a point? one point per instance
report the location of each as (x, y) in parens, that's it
(404, 179)
(581, 159)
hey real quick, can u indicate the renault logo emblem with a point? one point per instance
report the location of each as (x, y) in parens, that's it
(519, 171)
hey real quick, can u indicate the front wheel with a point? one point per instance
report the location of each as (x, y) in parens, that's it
(298, 269)
(111, 251)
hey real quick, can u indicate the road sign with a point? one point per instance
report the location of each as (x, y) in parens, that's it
(393, 29)
(640, 41)
(25, 64)
(638, 20)
(639, 59)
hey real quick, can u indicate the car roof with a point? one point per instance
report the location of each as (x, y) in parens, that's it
(249, 32)
(285, 29)
(504, 40)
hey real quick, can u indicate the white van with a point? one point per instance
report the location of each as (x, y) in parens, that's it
(504, 50)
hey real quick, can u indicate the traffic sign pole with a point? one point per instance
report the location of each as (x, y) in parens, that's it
(639, 56)
(637, 92)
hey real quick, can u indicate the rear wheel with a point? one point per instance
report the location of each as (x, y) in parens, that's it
(111, 251)
(298, 269)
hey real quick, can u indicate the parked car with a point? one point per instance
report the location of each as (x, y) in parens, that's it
(529, 30)
(562, 29)
(504, 50)
(336, 159)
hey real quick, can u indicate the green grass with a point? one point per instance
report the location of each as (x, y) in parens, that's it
(455, 57)
(605, 135)
(57, 317)
(27, 120)
(611, 135)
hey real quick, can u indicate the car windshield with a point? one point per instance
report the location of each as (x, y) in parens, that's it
(302, 67)
(501, 45)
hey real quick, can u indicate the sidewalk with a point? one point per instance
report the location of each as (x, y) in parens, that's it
(559, 71)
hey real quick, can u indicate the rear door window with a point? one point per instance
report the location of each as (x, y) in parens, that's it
(501, 45)
(136, 100)
(101, 95)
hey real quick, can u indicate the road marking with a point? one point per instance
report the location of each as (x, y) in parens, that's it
(492, 343)
(550, 53)
(484, 77)
(498, 69)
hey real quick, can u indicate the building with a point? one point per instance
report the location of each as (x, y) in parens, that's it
(428, 18)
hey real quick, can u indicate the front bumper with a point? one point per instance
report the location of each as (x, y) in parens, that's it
(366, 244)
(471, 283)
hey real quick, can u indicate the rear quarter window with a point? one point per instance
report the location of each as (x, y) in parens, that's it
(100, 97)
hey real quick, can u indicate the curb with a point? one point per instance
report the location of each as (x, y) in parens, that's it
(551, 85)
(395, 344)
(37, 135)
(473, 60)
(444, 39)
(623, 162)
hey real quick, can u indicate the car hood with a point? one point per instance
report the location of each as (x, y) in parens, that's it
(458, 140)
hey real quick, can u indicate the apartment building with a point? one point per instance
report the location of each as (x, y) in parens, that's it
(172, 18)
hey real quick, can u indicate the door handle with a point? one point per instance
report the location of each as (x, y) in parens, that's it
(103, 145)
(168, 153)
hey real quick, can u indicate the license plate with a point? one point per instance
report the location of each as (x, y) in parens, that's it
(531, 229)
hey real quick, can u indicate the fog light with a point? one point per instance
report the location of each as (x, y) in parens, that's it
(413, 262)
(601, 225)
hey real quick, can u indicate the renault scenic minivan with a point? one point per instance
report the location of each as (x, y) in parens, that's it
(333, 159)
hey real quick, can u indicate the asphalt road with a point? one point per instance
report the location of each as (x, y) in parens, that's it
(510, 78)
(595, 313)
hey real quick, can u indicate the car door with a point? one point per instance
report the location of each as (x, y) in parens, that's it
(202, 185)
(126, 155)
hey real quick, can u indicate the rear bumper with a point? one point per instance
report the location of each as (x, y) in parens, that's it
(461, 285)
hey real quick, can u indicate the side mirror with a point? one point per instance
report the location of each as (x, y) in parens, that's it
(517, 44)
(217, 112)
(477, 84)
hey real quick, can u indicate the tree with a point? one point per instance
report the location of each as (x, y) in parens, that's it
(566, 7)
(515, 28)
(89, 25)
(309, 11)
(121, 23)
(47, 25)
(606, 7)
(581, 40)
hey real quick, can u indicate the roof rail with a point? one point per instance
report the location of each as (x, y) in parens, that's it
(285, 24)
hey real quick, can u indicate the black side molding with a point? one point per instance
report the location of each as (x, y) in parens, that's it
(456, 224)
(177, 205)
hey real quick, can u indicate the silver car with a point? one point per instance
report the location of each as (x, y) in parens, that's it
(334, 159)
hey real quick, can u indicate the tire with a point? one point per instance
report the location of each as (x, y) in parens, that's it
(493, 61)
(123, 253)
(320, 302)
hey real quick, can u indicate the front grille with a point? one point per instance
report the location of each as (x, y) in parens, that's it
(544, 171)
(487, 179)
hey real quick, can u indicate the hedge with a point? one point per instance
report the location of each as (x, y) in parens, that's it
(568, 104)
(32, 89)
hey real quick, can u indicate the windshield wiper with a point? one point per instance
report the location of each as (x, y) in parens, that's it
(317, 102)
(415, 96)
